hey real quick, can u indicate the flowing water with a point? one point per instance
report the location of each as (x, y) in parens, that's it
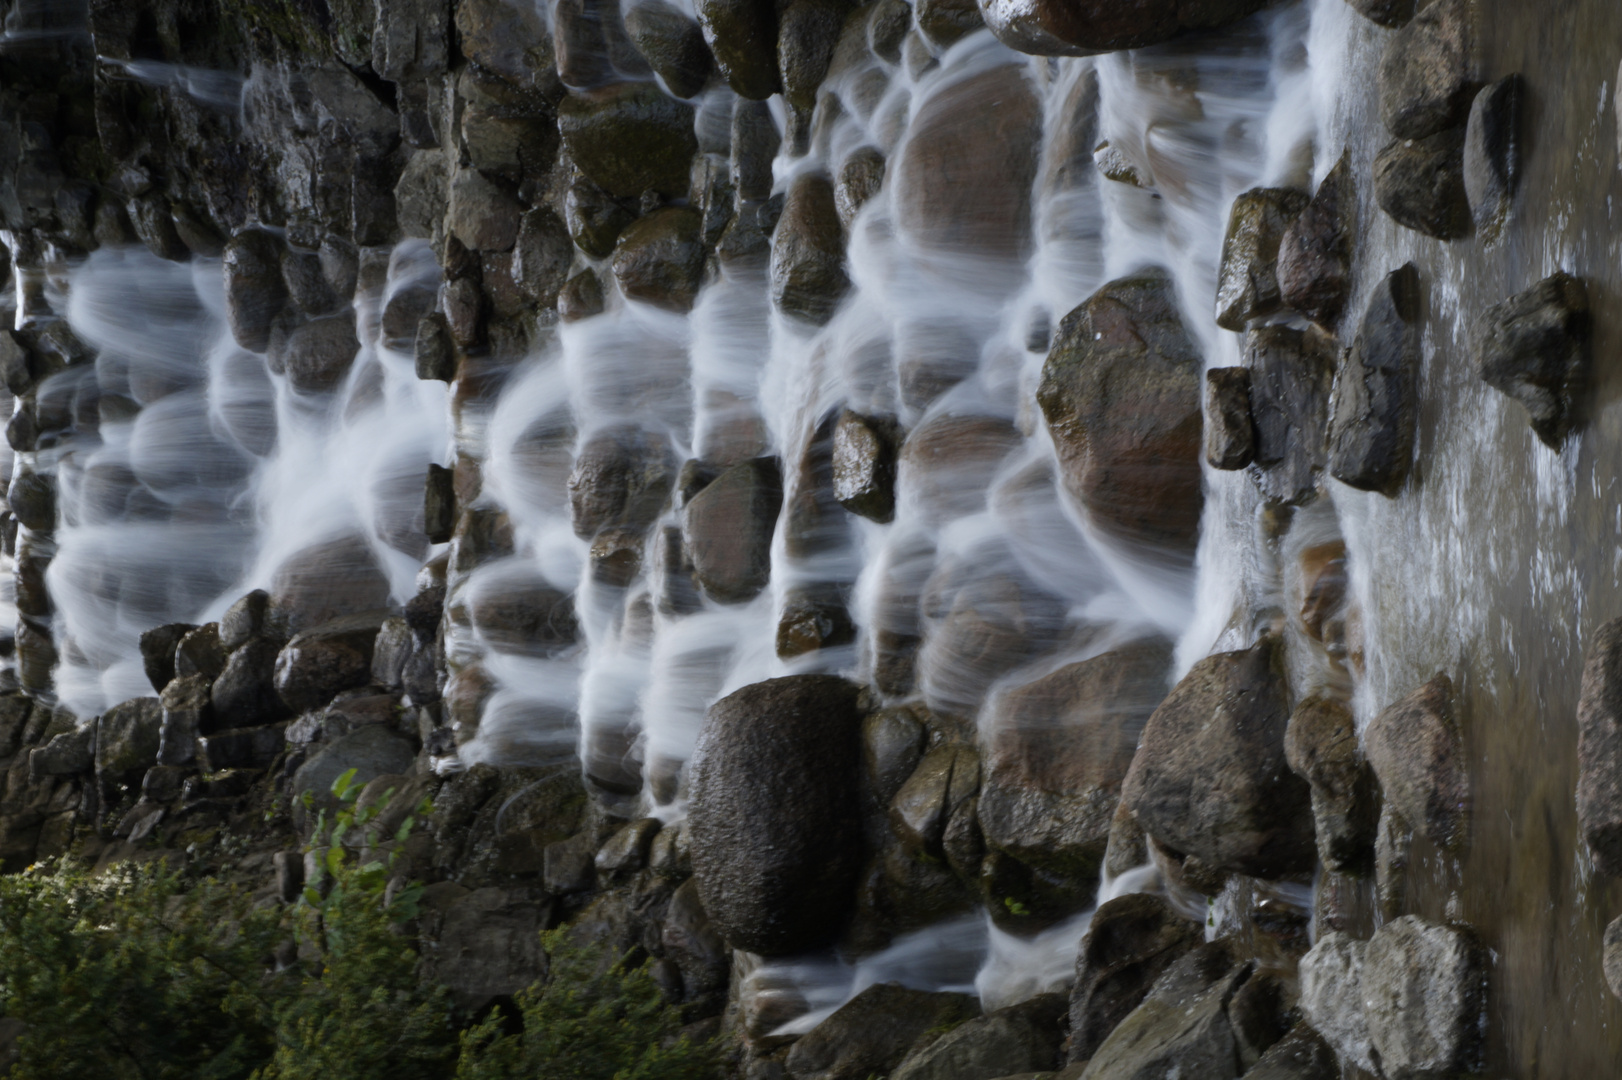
(1494, 563)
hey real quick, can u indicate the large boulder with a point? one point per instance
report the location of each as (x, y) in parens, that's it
(1023, 1037)
(871, 1033)
(1291, 372)
(1371, 437)
(775, 813)
(1083, 27)
(594, 218)
(1535, 348)
(1300, 1055)
(1186, 1025)
(1210, 778)
(334, 577)
(541, 257)
(1414, 748)
(158, 651)
(1121, 395)
(1247, 277)
(1428, 73)
(372, 751)
(622, 476)
(1315, 254)
(1056, 753)
(316, 665)
(659, 259)
(742, 34)
(808, 252)
(729, 530)
(1130, 942)
(807, 34)
(672, 43)
(1599, 750)
(1420, 184)
(630, 138)
(1408, 1004)
(963, 178)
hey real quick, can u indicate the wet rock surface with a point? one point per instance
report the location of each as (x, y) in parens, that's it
(1414, 748)
(1535, 348)
(1134, 467)
(1247, 282)
(873, 1032)
(1371, 435)
(776, 832)
(1428, 74)
(1210, 777)
(1314, 255)
(1129, 944)
(1420, 184)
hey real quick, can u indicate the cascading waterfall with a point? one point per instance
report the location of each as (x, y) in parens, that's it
(976, 196)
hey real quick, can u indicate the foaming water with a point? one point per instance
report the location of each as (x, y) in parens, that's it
(190, 473)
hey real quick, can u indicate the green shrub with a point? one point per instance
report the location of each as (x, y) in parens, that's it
(124, 976)
(136, 974)
(590, 1019)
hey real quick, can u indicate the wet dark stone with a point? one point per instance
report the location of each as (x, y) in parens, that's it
(434, 350)
(1599, 750)
(1612, 956)
(127, 739)
(1023, 1037)
(1494, 143)
(807, 32)
(316, 665)
(1210, 778)
(1135, 468)
(1535, 348)
(755, 140)
(155, 225)
(581, 297)
(1291, 373)
(1428, 73)
(1371, 437)
(199, 652)
(864, 464)
(1056, 752)
(158, 652)
(1314, 257)
(659, 259)
(508, 40)
(860, 178)
(307, 285)
(594, 218)
(31, 497)
(336, 577)
(1129, 944)
(630, 138)
(254, 288)
(729, 530)
(541, 257)
(248, 618)
(672, 43)
(622, 476)
(814, 617)
(1230, 435)
(871, 1034)
(775, 814)
(1301, 1055)
(482, 214)
(808, 252)
(319, 353)
(439, 504)
(946, 22)
(1247, 279)
(742, 35)
(1080, 27)
(1420, 184)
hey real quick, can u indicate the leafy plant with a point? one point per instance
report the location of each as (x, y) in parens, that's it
(365, 1013)
(591, 1019)
(124, 976)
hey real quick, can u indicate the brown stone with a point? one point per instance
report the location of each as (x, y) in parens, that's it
(1415, 749)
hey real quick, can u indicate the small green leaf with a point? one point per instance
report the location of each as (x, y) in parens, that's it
(344, 782)
(312, 897)
(335, 858)
(404, 830)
